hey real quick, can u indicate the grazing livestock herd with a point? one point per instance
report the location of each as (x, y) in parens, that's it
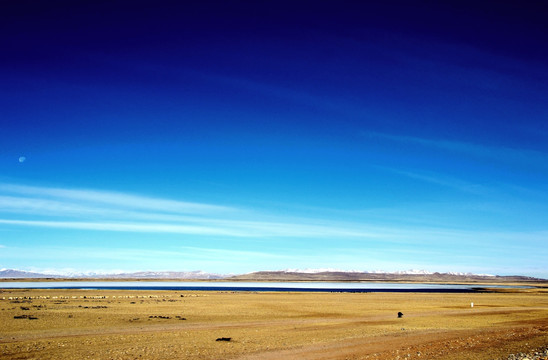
(86, 297)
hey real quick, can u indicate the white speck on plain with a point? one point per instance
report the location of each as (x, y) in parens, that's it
(22, 159)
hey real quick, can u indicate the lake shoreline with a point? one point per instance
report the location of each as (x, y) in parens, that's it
(163, 325)
(281, 286)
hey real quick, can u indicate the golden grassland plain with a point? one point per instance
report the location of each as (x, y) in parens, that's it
(128, 324)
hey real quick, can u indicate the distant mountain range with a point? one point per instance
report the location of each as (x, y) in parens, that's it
(284, 275)
(16, 274)
(411, 275)
(189, 275)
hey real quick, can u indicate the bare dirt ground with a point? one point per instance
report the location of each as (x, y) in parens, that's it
(113, 324)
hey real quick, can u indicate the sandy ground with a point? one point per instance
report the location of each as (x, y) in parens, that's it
(62, 324)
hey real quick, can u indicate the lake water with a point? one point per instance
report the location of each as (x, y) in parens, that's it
(244, 286)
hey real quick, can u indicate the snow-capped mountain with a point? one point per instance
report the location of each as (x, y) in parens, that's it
(342, 275)
(191, 275)
(400, 272)
(316, 271)
(17, 274)
(324, 274)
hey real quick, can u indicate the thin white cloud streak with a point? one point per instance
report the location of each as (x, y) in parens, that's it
(258, 230)
(445, 181)
(167, 223)
(117, 199)
(503, 154)
(125, 227)
(434, 238)
(105, 214)
(66, 212)
(47, 207)
(338, 105)
(231, 227)
(35, 205)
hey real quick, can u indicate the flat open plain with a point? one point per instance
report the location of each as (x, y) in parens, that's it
(124, 324)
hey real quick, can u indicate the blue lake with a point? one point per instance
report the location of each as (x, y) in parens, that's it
(247, 286)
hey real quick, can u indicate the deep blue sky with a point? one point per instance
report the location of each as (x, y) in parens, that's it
(241, 136)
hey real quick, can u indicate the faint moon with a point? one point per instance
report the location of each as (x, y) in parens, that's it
(22, 159)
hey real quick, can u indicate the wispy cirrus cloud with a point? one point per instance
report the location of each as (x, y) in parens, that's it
(110, 211)
(443, 180)
(230, 238)
(115, 199)
(227, 228)
(27, 207)
(534, 158)
(126, 227)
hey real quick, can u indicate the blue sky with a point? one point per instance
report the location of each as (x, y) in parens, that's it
(240, 136)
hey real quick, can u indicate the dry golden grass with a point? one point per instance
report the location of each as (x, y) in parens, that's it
(184, 325)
